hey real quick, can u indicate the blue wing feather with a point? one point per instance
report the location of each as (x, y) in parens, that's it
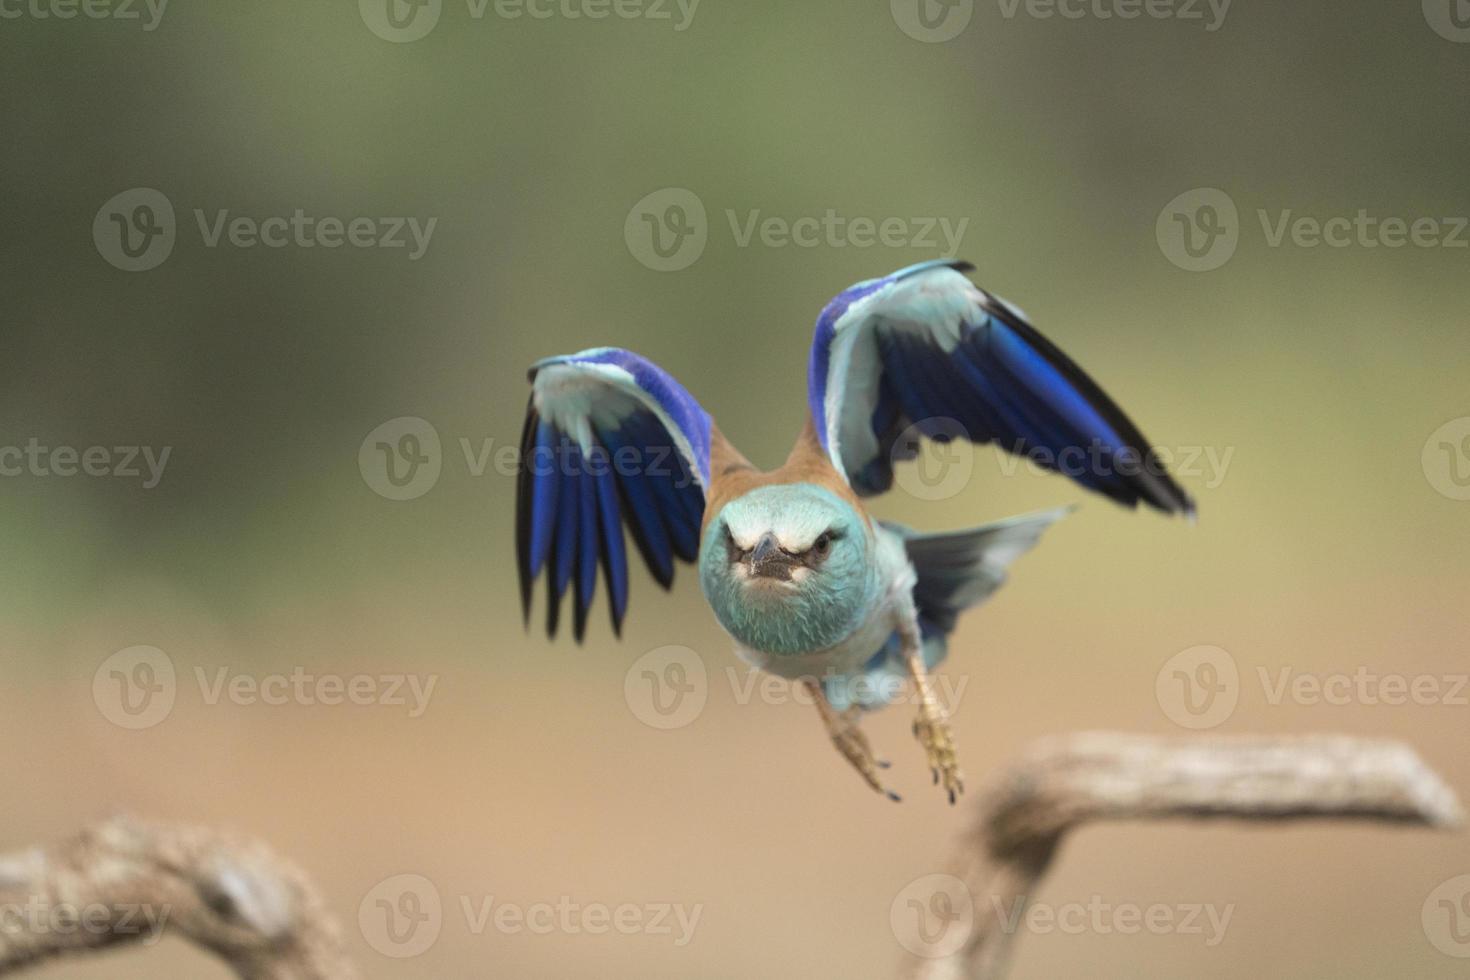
(588, 543)
(925, 347)
(642, 516)
(614, 554)
(611, 440)
(569, 497)
(1037, 374)
(564, 548)
(543, 501)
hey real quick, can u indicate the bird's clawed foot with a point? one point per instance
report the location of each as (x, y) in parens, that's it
(854, 745)
(931, 728)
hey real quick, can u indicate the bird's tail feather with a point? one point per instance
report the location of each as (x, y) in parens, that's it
(958, 570)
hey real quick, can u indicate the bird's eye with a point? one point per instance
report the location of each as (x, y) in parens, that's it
(823, 545)
(732, 550)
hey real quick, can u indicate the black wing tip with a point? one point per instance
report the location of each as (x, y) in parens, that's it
(553, 606)
(962, 265)
(1187, 509)
(579, 620)
(1184, 509)
(1158, 491)
(523, 511)
(1168, 499)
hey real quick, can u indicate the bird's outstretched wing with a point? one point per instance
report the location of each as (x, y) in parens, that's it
(926, 351)
(610, 439)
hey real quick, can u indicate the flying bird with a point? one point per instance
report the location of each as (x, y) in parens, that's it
(810, 586)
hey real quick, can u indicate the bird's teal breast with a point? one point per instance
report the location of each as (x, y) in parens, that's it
(842, 658)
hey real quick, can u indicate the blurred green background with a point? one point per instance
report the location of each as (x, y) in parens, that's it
(1327, 545)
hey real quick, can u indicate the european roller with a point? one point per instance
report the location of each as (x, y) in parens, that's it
(810, 586)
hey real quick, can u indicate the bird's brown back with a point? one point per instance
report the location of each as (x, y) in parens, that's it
(732, 475)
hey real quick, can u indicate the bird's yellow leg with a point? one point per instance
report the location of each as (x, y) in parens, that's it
(931, 728)
(842, 726)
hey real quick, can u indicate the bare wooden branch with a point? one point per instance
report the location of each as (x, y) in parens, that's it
(1066, 782)
(126, 881)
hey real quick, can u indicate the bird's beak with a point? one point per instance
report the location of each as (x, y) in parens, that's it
(767, 560)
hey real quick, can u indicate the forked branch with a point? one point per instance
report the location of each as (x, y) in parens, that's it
(1067, 782)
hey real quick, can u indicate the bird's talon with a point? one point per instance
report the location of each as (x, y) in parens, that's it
(933, 734)
(854, 746)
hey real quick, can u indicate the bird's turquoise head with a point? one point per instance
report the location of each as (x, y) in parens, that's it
(788, 569)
